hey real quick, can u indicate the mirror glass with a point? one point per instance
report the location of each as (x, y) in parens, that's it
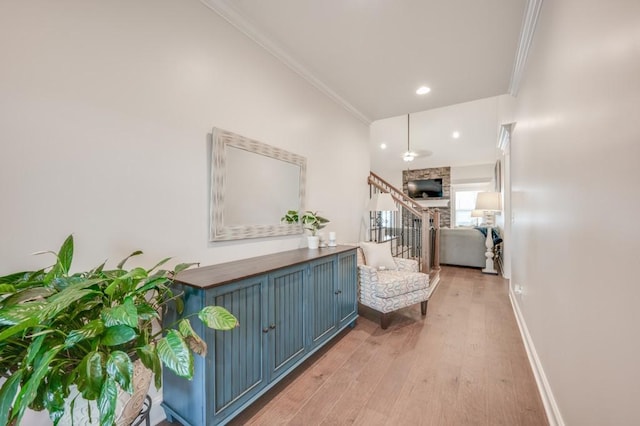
(252, 186)
(250, 196)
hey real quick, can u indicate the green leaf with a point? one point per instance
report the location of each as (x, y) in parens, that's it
(63, 301)
(113, 287)
(118, 334)
(290, 217)
(7, 395)
(15, 278)
(125, 314)
(175, 354)
(126, 283)
(123, 261)
(91, 375)
(179, 305)
(195, 343)
(31, 279)
(182, 266)
(65, 255)
(88, 331)
(120, 368)
(29, 295)
(16, 314)
(218, 318)
(15, 329)
(107, 402)
(153, 284)
(313, 222)
(149, 357)
(146, 312)
(30, 388)
(54, 397)
(7, 288)
(185, 328)
(61, 283)
(97, 269)
(33, 351)
(135, 273)
(75, 283)
(159, 264)
(67, 298)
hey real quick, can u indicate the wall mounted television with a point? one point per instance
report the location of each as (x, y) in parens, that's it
(420, 189)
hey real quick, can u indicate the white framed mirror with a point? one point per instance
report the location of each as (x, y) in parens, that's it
(252, 186)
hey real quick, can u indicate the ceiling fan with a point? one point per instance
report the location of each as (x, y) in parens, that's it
(410, 155)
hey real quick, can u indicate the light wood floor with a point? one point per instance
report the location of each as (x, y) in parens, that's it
(465, 364)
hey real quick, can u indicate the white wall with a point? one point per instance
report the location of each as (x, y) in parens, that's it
(472, 174)
(575, 174)
(105, 109)
(104, 116)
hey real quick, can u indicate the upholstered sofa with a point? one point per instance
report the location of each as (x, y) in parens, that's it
(462, 247)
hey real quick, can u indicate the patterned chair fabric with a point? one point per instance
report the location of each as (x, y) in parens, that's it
(387, 291)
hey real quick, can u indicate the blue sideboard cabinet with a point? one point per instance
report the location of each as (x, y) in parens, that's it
(288, 305)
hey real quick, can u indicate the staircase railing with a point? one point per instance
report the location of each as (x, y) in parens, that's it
(414, 231)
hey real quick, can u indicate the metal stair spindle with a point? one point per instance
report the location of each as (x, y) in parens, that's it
(414, 230)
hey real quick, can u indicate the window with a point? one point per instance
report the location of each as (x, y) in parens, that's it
(465, 201)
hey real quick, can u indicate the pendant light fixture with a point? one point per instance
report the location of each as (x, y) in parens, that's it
(409, 155)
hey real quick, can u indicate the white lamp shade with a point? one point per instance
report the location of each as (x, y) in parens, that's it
(477, 213)
(382, 202)
(489, 201)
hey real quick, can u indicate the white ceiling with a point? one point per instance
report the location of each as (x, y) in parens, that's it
(371, 55)
(431, 137)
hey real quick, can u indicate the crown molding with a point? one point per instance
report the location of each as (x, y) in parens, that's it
(529, 21)
(229, 14)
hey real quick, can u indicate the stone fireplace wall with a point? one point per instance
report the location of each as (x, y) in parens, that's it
(436, 172)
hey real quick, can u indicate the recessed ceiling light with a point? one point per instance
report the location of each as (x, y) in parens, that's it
(383, 146)
(423, 90)
(455, 135)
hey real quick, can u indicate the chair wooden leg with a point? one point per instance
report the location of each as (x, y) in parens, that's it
(385, 320)
(423, 307)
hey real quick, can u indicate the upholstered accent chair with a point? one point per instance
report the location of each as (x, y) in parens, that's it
(387, 283)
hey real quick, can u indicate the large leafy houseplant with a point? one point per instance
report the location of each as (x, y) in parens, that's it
(59, 329)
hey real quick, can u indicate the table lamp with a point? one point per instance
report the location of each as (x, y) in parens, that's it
(381, 202)
(489, 203)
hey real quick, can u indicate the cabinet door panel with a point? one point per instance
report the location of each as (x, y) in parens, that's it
(323, 300)
(286, 319)
(237, 355)
(191, 409)
(348, 287)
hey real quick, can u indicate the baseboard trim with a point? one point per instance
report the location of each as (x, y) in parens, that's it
(549, 402)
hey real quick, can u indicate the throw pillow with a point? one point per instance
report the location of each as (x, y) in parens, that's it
(378, 255)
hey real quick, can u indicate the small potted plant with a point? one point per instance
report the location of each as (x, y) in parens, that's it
(312, 222)
(290, 217)
(70, 339)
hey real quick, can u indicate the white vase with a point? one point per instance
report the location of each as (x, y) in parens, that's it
(86, 413)
(314, 241)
